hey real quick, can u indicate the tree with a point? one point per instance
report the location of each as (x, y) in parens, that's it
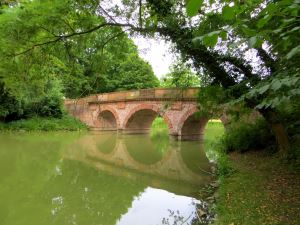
(274, 24)
(225, 64)
(38, 64)
(180, 76)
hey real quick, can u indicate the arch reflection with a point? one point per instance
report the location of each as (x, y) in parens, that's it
(146, 150)
(158, 161)
(194, 157)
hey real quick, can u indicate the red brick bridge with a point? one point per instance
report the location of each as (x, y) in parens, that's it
(134, 111)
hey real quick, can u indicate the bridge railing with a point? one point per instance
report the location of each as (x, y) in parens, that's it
(143, 94)
(147, 94)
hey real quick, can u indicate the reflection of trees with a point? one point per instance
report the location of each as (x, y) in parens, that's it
(145, 150)
(175, 218)
(38, 187)
(160, 139)
(194, 157)
(27, 163)
(93, 197)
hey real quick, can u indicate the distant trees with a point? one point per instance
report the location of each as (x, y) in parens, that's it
(181, 76)
(38, 65)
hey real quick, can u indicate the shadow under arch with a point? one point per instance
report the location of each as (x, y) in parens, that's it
(140, 119)
(192, 125)
(107, 119)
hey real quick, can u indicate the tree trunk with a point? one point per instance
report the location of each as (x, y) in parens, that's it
(278, 129)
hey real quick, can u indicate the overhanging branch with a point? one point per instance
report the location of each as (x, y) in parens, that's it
(66, 36)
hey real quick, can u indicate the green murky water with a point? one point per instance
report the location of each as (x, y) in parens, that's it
(99, 178)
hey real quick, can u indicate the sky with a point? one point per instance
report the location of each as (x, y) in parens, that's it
(157, 53)
(154, 50)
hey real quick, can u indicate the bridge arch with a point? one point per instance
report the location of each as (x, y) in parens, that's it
(107, 118)
(140, 118)
(191, 126)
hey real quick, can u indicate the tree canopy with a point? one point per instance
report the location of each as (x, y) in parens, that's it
(37, 63)
(249, 49)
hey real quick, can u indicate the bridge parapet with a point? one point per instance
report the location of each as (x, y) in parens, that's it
(189, 94)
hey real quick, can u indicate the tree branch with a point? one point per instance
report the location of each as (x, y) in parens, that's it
(140, 13)
(66, 36)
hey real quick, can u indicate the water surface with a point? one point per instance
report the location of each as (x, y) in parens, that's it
(99, 178)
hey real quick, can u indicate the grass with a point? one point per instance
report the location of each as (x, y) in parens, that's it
(256, 187)
(66, 123)
(261, 191)
(213, 131)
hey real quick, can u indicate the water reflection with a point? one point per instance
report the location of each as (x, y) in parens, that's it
(98, 178)
(140, 156)
(170, 209)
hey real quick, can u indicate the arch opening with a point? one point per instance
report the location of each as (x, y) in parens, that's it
(193, 127)
(106, 121)
(140, 122)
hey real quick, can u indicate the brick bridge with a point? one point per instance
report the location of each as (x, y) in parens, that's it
(134, 111)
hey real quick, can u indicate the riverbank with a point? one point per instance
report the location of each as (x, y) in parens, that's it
(66, 123)
(260, 190)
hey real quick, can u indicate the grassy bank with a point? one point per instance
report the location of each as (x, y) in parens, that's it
(255, 187)
(262, 190)
(66, 123)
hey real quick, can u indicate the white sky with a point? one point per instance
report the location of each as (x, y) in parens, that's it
(157, 53)
(154, 50)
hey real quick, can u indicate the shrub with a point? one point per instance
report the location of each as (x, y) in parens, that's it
(66, 123)
(10, 107)
(48, 106)
(247, 136)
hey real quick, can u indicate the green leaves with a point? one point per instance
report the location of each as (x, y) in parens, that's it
(193, 6)
(228, 13)
(293, 52)
(211, 39)
(255, 42)
(262, 22)
(275, 92)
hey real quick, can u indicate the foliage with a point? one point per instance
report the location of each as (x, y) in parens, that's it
(49, 106)
(10, 107)
(273, 22)
(38, 66)
(106, 67)
(211, 99)
(180, 76)
(66, 123)
(275, 91)
(214, 149)
(248, 136)
(275, 25)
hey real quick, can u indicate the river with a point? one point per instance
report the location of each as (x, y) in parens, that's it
(105, 178)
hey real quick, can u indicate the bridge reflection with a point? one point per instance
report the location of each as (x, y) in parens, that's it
(157, 160)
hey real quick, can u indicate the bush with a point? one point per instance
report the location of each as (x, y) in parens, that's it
(10, 107)
(48, 106)
(66, 123)
(245, 136)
